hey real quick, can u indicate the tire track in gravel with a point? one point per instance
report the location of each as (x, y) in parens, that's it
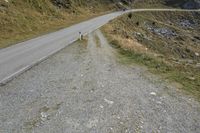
(86, 90)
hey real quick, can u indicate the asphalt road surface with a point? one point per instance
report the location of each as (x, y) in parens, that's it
(16, 59)
(85, 89)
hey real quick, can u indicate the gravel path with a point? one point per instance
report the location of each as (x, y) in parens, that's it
(84, 89)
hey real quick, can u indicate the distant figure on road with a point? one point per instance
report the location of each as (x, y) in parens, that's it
(80, 36)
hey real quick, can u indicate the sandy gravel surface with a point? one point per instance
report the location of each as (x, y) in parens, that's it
(84, 89)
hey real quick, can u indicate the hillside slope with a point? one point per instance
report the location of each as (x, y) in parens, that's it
(186, 4)
(166, 42)
(24, 19)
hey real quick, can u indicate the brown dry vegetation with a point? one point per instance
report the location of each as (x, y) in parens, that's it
(175, 57)
(24, 19)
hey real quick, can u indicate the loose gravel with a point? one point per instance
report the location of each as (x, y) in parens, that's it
(84, 89)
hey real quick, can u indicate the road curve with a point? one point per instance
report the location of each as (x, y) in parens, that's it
(20, 57)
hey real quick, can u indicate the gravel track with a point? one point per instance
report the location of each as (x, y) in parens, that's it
(84, 89)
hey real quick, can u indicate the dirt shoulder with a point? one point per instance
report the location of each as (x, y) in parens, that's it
(166, 42)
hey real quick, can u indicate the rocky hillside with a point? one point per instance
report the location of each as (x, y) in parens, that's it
(166, 42)
(186, 4)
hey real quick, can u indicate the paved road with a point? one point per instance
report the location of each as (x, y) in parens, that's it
(20, 57)
(84, 89)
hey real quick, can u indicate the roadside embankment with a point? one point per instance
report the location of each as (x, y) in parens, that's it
(166, 42)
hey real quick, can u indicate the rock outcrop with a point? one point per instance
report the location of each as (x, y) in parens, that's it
(186, 4)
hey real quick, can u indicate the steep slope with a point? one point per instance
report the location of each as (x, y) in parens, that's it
(23, 19)
(166, 42)
(187, 4)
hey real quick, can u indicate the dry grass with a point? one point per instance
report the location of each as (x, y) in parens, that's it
(21, 20)
(129, 44)
(98, 42)
(149, 4)
(153, 53)
(14, 35)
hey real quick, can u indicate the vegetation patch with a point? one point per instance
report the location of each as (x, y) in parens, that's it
(24, 19)
(172, 53)
(97, 39)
